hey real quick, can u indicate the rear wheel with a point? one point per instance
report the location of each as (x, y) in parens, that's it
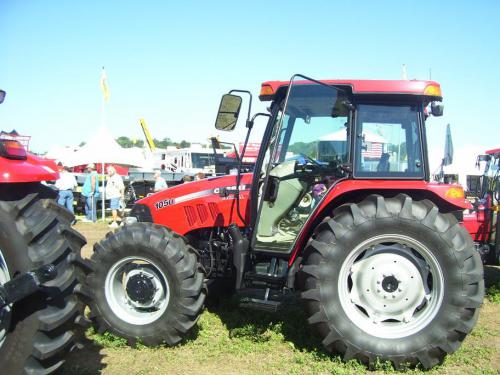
(38, 331)
(147, 285)
(392, 279)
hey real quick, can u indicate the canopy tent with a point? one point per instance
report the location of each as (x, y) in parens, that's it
(103, 149)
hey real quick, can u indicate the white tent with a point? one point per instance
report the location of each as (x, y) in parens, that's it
(103, 149)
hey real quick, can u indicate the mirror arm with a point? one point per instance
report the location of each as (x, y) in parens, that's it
(249, 103)
(250, 122)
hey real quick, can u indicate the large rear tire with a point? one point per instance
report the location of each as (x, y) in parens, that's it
(37, 332)
(392, 279)
(147, 285)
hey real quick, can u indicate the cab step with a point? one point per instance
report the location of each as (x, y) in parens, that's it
(263, 299)
(260, 304)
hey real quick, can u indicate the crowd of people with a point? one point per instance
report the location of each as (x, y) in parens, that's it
(114, 191)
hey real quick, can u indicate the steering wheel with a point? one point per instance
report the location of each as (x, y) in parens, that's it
(309, 160)
(310, 168)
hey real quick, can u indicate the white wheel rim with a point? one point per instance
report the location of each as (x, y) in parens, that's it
(4, 312)
(122, 301)
(391, 286)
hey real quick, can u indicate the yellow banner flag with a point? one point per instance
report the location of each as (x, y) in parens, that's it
(104, 85)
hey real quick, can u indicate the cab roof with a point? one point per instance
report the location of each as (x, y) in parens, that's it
(493, 151)
(394, 87)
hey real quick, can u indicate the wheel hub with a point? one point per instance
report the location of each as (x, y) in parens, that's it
(390, 284)
(137, 290)
(140, 288)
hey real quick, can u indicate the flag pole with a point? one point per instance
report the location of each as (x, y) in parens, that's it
(105, 97)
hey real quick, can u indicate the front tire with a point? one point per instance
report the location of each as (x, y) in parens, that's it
(147, 285)
(392, 279)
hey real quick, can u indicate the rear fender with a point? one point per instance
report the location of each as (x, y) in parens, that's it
(445, 196)
(32, 169)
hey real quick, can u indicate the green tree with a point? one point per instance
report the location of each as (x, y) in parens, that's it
(125, 142)
(184, 144)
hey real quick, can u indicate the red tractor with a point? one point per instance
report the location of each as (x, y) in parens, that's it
(339, 209)
(482, 221)
(40, 264)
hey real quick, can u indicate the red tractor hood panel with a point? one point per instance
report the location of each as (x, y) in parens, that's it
(201, 204)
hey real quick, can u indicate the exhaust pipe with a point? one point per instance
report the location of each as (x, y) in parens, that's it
(240, 251)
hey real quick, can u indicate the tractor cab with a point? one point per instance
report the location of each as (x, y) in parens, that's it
(323, 132)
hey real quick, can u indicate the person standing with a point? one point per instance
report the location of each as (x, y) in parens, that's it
(65, 184)
(160, 183)
(115, 191)
(199, 176)
(91, 192)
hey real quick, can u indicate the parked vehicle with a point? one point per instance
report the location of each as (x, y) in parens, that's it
(40, 264)
(482, 220)
(383, 267)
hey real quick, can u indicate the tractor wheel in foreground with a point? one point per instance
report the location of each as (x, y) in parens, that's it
(37, 332)
(147, 285)
(394, 280)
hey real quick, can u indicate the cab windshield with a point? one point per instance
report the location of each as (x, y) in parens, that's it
(314, 127)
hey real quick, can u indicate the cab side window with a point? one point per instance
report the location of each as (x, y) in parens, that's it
(388, 142)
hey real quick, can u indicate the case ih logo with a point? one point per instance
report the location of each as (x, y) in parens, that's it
(164, 203)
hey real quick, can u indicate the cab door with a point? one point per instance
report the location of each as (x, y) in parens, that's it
(307, 145)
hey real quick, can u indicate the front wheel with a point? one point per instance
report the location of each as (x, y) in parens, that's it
(392, 279)
(146, 285)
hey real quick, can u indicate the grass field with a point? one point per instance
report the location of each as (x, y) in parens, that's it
(229, 340)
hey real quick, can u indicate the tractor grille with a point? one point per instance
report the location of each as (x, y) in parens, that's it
(190, 214)
(214, 210)
(202, 212)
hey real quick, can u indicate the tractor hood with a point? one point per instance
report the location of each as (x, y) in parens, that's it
(199, 204)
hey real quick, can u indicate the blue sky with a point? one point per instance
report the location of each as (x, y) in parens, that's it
(170, 62)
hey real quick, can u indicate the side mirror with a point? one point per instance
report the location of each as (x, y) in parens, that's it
(229, 111)
(2, 96)
(437, 109)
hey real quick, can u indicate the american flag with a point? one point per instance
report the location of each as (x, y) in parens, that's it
(374, 150)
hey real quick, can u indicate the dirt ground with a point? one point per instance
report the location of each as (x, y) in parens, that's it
(93, 233)
(230, 341)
